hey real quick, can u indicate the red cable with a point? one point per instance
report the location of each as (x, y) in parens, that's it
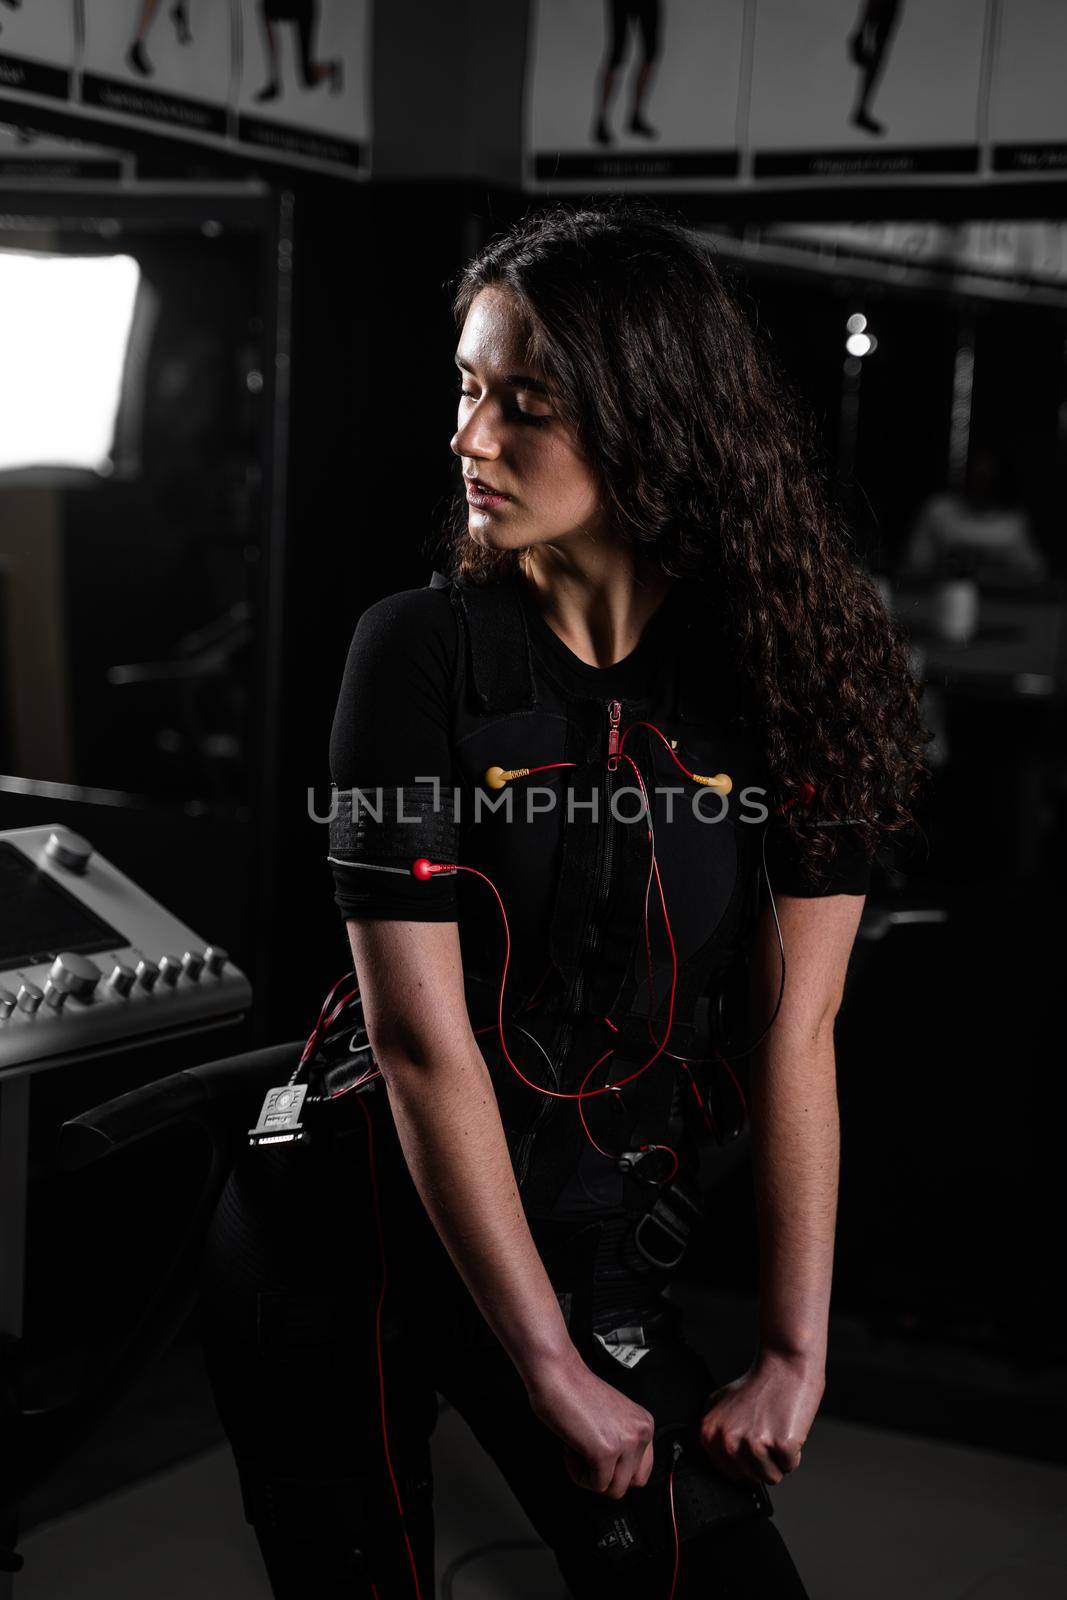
(360, 1083)
(733, 1076)
(313, 1038)
(552, 1094)
(709, 1121)
(606, 1153)
(677, 1541)
(583, 1093)
(663, 738)
(654, 864)
(548, 766)
(378, 1341)
(646, 1149)
(555, 1094)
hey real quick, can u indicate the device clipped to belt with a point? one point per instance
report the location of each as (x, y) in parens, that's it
(279, 1117)
(336, 1060)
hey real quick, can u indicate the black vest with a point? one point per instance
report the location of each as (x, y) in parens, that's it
(573, 885)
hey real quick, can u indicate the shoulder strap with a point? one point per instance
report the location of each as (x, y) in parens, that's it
(498, 643)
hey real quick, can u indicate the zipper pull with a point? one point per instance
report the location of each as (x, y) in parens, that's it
(614, 713)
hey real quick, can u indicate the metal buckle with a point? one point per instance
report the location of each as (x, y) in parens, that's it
(660, 1217)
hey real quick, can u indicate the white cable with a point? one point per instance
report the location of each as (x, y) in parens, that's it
(369, 866)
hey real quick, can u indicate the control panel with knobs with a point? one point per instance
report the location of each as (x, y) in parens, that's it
(127, 967)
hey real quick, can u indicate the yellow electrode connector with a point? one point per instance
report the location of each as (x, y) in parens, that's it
(497, 777)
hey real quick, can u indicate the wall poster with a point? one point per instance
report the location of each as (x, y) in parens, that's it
(288, 77)
(847, 88)
(166, 61)
(634, 93)
(1028, 103)
(302, 88)
(38, 45)
(705, 94)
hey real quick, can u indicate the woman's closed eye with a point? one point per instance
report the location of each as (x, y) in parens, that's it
(516, 412)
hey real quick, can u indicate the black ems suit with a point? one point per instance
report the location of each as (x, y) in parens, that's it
(443, 684)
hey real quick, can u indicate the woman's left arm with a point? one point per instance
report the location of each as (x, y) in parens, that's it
(756, 1426)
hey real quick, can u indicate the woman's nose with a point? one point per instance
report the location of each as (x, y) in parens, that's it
(475, 438)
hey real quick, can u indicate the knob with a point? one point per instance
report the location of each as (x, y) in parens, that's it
(170, 969)
(7, 1004)
(29, 998)
(147, 973)
(68, 850)
(192, 964)
(54, 996)
(75, 974)
(215, 958)
(122, 979)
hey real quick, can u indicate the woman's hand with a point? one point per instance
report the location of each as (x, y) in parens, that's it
(608, 1438)
(755, 1427)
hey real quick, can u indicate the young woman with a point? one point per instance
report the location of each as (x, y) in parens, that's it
(653, 641)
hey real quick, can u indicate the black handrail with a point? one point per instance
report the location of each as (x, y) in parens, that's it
(222, 1099)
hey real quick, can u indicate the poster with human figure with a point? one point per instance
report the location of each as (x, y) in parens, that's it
(161, 61)
(633, 93)
(846, 88)
(38, 44)
(1028, 98)
(303, 88)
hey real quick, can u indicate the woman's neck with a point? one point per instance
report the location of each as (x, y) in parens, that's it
(601, 608)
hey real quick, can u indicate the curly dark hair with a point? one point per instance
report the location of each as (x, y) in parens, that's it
(708, 465)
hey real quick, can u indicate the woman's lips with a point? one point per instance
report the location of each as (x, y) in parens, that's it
(483, 497)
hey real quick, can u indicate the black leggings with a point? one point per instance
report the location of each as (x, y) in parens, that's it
(290, 1297)
(645, 13)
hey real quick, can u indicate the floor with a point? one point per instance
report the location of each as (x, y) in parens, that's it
(870, 1515)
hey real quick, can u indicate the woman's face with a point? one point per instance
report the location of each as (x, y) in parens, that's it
(512, 442)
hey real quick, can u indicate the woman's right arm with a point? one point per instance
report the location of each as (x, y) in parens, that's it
(446, 1115)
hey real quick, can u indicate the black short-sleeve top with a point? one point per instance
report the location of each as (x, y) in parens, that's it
(396, 714)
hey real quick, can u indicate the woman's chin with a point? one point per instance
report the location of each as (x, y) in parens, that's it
(490, 535)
